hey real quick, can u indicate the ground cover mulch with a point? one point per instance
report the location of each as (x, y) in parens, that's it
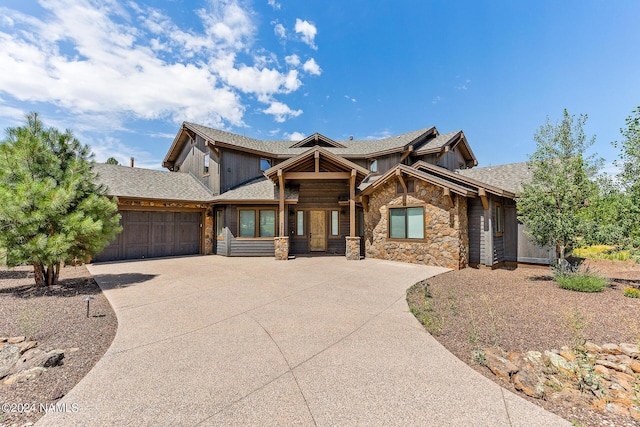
(56, 318)
(523, 309)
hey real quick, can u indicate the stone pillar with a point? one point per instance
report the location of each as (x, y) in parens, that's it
(281, 246)
(353, 248)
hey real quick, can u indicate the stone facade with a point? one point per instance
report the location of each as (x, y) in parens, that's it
(353, 248)
(281, 246)
(446, 241)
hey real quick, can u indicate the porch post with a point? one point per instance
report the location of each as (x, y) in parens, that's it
(352, 204)
(281, 215)
(281, 243)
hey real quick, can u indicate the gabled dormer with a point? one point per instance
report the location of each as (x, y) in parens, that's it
(317, 139)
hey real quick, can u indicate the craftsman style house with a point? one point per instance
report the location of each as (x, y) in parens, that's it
(415, 197)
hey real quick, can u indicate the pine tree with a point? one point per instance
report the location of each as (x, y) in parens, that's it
(52, 210)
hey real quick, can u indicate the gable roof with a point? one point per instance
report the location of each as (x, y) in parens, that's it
(286, 149)
(317, 139)
(509, 177)
(325, 155)
(123, 181)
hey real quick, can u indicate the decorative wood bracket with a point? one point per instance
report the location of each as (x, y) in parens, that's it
(449, 197)
(483, 197)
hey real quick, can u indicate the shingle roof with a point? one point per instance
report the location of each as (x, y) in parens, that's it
(507, 177)
(258, 189)
(438, 142)
(280, 147)
(123, 181)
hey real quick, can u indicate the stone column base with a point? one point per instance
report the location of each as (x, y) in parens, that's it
(353, 248)
(281, 246)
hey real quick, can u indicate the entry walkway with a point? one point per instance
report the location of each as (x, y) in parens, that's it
(215, 341)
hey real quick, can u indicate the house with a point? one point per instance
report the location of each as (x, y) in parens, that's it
(416, 197)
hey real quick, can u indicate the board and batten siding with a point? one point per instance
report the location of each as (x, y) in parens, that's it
(237, 167)
(476, 231)
(191, 160)
(232, 246)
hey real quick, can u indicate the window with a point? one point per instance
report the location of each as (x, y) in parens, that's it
(335, 223)
(206, 162)
(373, 165)
(257, 223)
(498, 226)
(264, 164)
(219, 223)
(406, 223)
(300, 223)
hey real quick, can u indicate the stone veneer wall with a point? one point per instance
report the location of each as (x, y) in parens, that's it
(446, 242)
(281, 248)
(208, 217)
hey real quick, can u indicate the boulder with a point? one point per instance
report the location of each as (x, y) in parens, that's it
(635, 366)
(610, 349)
(630, 350)
(601, 370)
(27, 345)
(608, 364)
(570, 398)
(592, 348)
(9, 355)
(500, 366)
(36, 357)
(624, 380)
(23, 376)
(15, 340)
(559, 362)
(528, 381)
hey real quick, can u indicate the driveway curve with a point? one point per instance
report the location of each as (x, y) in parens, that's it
(321, 341)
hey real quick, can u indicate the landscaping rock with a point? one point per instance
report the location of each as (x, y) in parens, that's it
(499, 365)
(630, 350)
(634, 365)
(622, 379)
(592, 348)
(15, 340)
(601, 370)
(36, 357)
(611, 349)
(528, 381)
(27, 345)
(570, 398)
(609, 365)
(559, 362)
(9, 355)
(23, 376)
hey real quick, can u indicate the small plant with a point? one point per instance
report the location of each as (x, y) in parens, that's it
(576, 323)
(575, 278)
(425, 309)
(30, 321)
(493, 323)
(479, 357)
(631, 292)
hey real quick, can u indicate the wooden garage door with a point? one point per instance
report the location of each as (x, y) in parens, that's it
(152, 234)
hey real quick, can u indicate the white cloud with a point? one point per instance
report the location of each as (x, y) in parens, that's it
(106, 147)
(280, 31)
(274, 132)
(116, 62)
(380, 135)
(312, 67)
(293, 60)
(307, 31)
(281, 111)
(295, 136)
(436, 100)
(275, 5)
(350, 98)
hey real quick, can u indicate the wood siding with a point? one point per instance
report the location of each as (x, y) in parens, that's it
(510, 232)
(476, 231)
(191, 160)
(388, 162)
(232, 246)
(452, 160)
(237, 167)
(530, 252)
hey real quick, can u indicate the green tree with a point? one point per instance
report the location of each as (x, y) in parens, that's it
(550, 205)
(52, 210)
(112, 161)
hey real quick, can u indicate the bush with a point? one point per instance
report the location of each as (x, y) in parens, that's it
(574, 278)
(631, 292)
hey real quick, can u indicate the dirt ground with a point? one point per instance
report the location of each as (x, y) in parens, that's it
(56, 318)
(522, 309)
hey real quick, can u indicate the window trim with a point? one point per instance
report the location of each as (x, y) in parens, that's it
(498, 219)
(256, 226)
(206, 168)
(406, 224)
(300, 220)
(373, 163)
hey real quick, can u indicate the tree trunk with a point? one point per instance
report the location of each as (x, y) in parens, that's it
(56, 273)
(38, 274)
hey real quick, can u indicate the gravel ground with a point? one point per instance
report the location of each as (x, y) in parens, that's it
(522, 309)
(56, 318)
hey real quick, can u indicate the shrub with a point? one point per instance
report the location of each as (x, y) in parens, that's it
(631, 292)
(575, 278)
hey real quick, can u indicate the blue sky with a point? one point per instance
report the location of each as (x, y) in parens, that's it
(123, 75)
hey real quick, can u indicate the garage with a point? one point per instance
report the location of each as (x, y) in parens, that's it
(152, 234)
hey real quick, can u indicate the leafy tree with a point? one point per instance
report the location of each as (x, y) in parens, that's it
(630, 154)
(610, 217)
(52, 210)
(112, 161)
(550, 205)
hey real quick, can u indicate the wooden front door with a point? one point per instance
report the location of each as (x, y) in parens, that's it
(317, 231)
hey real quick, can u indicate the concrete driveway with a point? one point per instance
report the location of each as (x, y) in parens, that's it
(252, 341)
